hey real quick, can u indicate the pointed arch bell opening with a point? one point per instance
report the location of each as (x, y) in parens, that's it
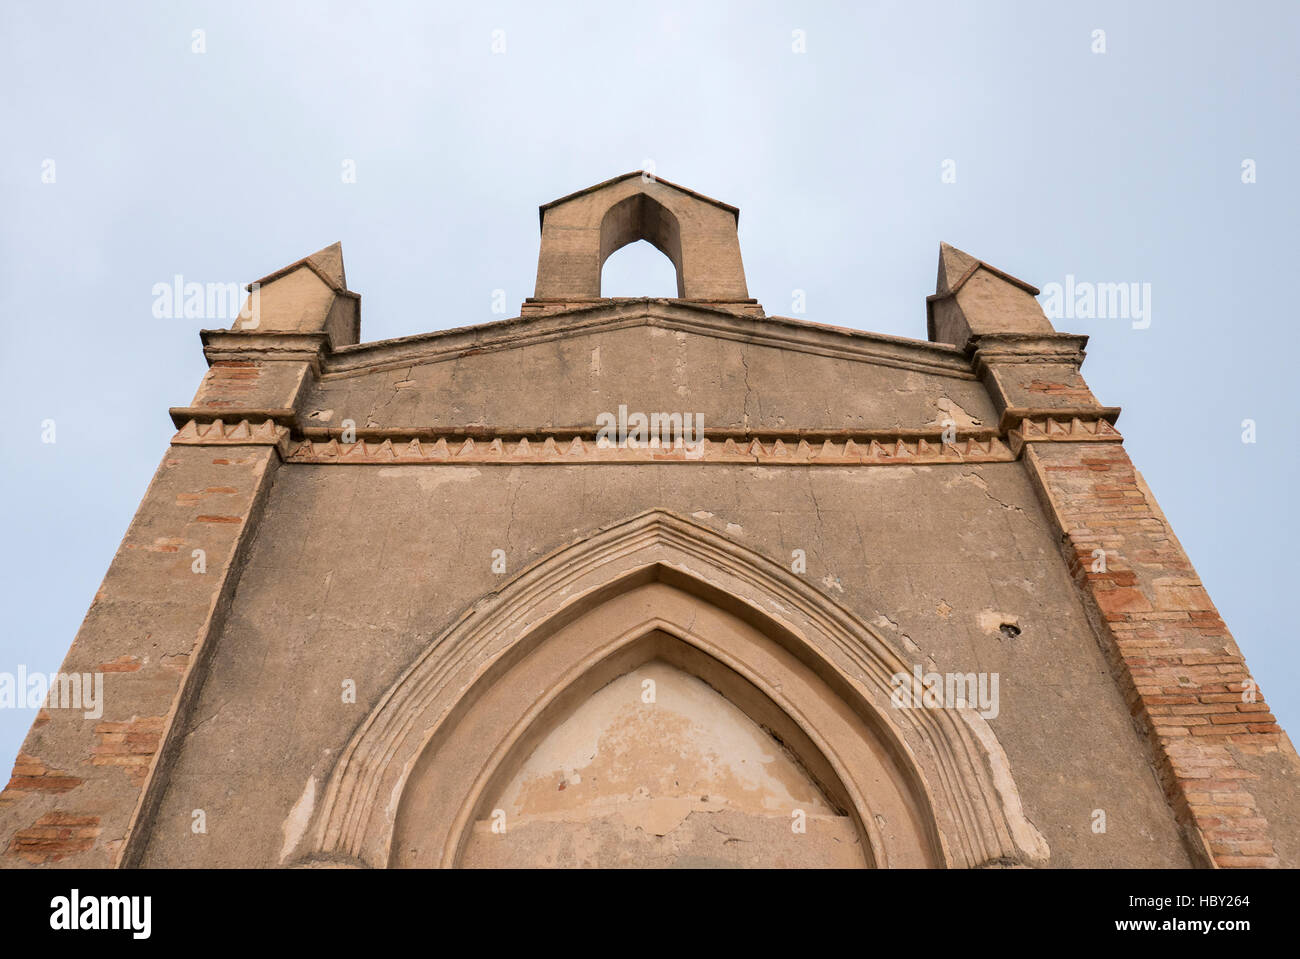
(641, 217)
(697, 233)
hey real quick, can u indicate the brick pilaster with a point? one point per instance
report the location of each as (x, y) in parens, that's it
(81, 783)
(1185, 680)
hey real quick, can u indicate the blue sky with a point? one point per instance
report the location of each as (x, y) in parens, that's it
(1122, 166)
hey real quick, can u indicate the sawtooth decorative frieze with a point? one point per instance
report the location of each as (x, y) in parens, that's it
(243, 433)
(1049, 429)
(570, 446)
(586, 449)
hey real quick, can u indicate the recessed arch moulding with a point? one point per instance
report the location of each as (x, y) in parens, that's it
(424, 774)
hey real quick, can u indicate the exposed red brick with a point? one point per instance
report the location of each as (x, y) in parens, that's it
(30, 774)
(54, 836)
(1184, 677)
(128, 745)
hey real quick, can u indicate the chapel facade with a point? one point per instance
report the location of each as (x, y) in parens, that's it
(652, 582)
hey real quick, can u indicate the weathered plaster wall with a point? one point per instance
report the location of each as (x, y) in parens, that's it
(651, 368)
(356, 569)
(684, 779)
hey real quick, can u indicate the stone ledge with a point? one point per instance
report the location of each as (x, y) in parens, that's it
(207, 415)
(1062, 427)
(243, 433)
(578, 449)
(266, 345)
(583, 445)
(607, 315)
(1028, 348)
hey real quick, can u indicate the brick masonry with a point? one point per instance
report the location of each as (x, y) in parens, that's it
(1185, 680)
(80, 783)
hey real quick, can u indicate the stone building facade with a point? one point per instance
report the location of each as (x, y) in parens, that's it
(652, 582)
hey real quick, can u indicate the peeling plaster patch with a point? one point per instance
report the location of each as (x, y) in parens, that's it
(893, 474)
(299, 816)
(990, 621)
(323, 415)
(734, 528)
(943, 609)
(949, 410)
(429, 479)
(831, 581)
(978, 481)
(884, 622)
(1026, 836)
(702, 514)
(650, 766)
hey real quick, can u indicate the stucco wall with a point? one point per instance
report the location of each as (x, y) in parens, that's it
(356, 569)
(568, 381)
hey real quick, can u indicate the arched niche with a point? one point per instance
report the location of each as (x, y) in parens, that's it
(921, 786)
(850, 772)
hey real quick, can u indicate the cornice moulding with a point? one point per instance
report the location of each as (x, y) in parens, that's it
(572, 445)
(773, 331)
(242, 433)
(1028, 348)
(1013, 416)
(1061, 429)
(206, 415)
(587, 450)
(269, 345)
